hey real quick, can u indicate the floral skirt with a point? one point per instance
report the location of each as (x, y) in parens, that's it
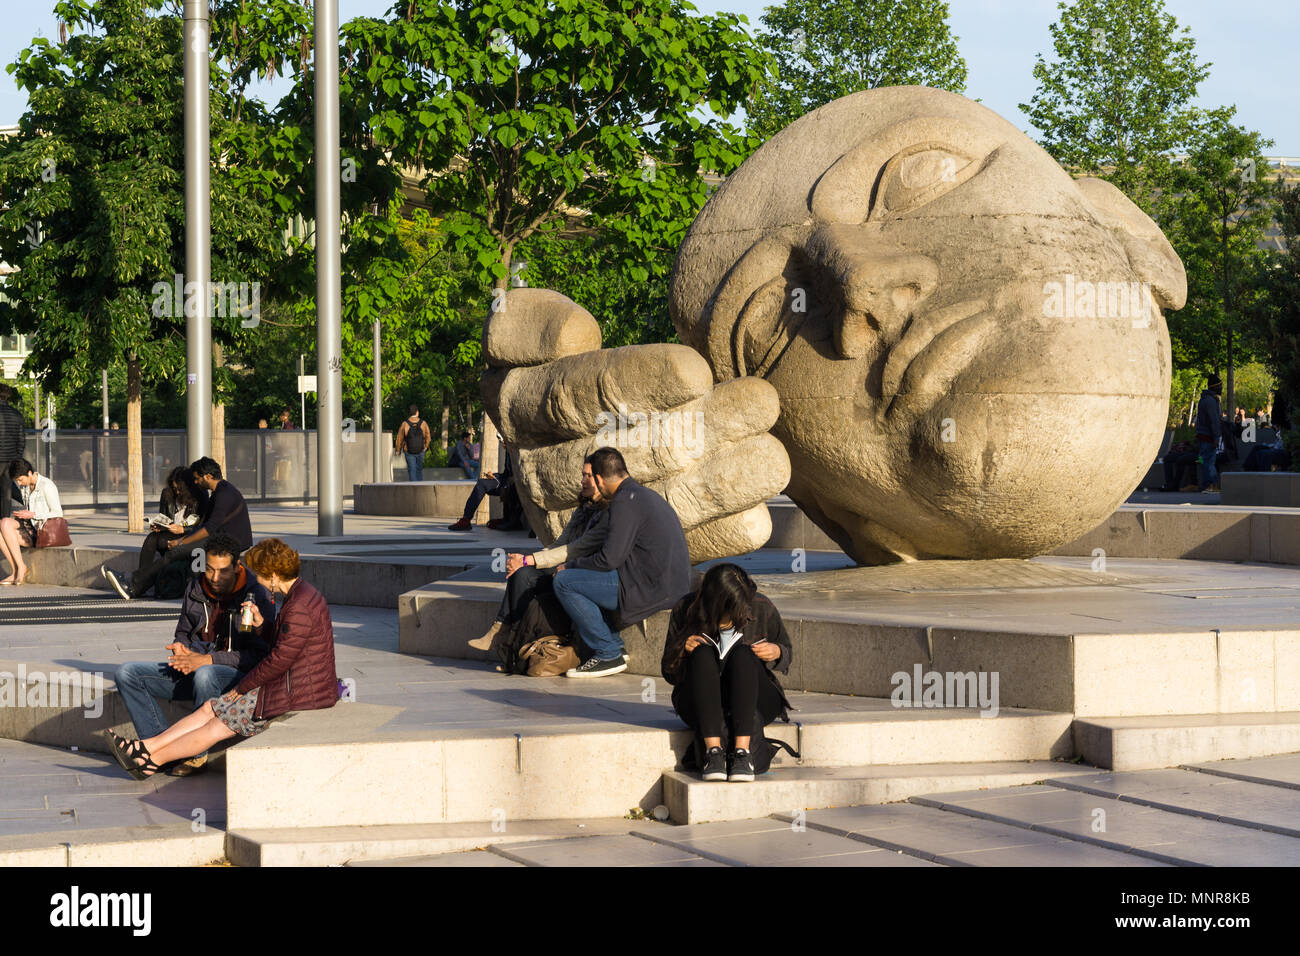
(238, 714)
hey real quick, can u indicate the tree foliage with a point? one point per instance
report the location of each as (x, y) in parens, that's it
(1117, 98)
(823, 51)
(529, 113)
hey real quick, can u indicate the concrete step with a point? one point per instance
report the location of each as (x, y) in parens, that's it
(692, 800)
(1208, 796)
(1158, 834)
(348, 766)
(1148, 743)
(954, 840)
(352, 845)
(1128, 642)
(154, 845)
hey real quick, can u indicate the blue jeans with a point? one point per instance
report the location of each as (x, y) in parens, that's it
(1208, 473)
(583, 594)
(414, 466)
(139, 682)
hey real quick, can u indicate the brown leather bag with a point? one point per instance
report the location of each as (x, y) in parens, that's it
(547, 657)
(53, 534)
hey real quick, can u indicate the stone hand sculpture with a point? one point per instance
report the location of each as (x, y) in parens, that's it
(967, 343)
(556, 397)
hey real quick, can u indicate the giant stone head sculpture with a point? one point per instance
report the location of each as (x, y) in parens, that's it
(967, 343)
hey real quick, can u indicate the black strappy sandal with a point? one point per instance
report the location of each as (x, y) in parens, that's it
(126, 751)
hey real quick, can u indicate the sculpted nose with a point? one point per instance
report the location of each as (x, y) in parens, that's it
(881, 286)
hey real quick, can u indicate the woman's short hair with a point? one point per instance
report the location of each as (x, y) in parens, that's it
(273, 557)
(726, 594)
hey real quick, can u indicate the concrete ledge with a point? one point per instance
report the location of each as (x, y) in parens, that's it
(1194, 532)
(1150, 743)
(166, 845)
(438, 499)
(692, 800)
(1271, 489)
(363, 582)
(328, 846)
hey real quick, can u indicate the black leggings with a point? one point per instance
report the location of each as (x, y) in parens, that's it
(737, 684)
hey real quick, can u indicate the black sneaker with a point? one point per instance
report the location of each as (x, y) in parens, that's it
(715, 764)
(123, 589)
(740, 767)
(598, 668)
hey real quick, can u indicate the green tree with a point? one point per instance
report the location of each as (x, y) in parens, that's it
(1219, 208)
(825, 51)
(1276, 310)
(1117, 98)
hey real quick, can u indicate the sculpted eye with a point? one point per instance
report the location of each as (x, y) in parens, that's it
(918, 175)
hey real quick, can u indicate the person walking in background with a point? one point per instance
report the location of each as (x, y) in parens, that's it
(642, 567)
(1209, 432)
(413, 440)
(210, 651)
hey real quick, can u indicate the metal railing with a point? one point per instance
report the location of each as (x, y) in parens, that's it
(89, 466)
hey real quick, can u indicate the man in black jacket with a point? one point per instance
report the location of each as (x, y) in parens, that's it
(13, 442)
(226, 512)
(642, 567)
(209, 653)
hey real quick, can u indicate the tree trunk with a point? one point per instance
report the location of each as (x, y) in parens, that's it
(1231, 384)
(446, 420)
(134, 453)
(218, 418)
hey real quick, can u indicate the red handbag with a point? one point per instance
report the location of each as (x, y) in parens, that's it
(54, 534)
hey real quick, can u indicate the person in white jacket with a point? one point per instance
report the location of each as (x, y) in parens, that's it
(40, 503)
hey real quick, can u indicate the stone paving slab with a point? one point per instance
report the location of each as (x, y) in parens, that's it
(951, 839)
(473, 858)
(610, 851)
(1199, 794)
(1280, 771)
(1148, 831)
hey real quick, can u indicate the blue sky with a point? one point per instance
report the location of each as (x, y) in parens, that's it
(1251, 45)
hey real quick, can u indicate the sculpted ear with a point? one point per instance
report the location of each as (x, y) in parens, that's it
(1149, 252)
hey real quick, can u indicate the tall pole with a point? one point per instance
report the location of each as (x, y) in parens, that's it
(198, 253)
(103, 390)
(329, 293)
(377, 415)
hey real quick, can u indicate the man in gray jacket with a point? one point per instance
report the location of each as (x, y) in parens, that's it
(642, 567)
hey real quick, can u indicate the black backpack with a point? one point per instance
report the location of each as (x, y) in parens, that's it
(543, 617)
(415, 431)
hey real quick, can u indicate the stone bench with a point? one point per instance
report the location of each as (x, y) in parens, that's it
(1273, 489)
(422, 499)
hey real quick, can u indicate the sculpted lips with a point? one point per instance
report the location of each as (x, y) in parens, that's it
(932, 351)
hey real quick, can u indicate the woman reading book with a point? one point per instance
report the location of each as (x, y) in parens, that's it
(178, 511)
(724, 642)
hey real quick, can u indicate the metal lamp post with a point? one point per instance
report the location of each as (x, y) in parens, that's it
(329, 292)
(198, 253)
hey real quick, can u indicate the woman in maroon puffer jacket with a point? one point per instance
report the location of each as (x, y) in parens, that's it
(297, 674)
